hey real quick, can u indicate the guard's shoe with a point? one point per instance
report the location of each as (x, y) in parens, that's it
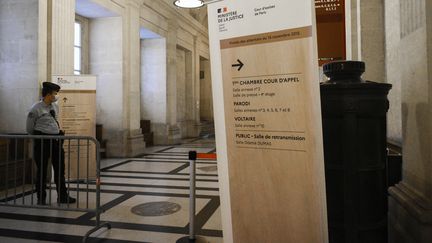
(66, 199)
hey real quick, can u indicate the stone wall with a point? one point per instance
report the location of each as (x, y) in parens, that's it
(18, 62)
(184, 91)
(42, 37)
(154, 86)
(410, 62)
(393, 74)
(106, 62)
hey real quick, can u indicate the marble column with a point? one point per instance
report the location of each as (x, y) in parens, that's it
(194, 129)
(410, 201)
(172, 130)
(134, 139)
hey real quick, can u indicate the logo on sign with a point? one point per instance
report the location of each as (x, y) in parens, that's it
(62, 81)
(226, 16)
(222, 10)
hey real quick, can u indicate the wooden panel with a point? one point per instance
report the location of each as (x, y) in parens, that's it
(270, 154)
(272, 151)
(77, 117)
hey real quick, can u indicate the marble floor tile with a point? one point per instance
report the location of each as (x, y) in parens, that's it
(168, 176)
(148, 167)
(122, 212)
(214, 223)
(158, 182)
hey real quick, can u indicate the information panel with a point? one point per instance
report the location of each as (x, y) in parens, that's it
(77, 104)
(269, 138)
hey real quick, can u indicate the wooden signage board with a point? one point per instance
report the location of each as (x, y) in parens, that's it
(330, 18)
(77, 104)
(268, 121)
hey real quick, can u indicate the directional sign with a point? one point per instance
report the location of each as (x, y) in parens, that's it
(268, 124)
(239, 65)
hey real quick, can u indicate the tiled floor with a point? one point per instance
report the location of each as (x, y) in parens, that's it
(160, 175)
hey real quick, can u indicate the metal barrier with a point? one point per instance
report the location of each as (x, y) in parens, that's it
(20, 174)
(193, 155)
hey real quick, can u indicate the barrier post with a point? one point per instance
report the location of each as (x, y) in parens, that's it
(192, 202)
(192, 208)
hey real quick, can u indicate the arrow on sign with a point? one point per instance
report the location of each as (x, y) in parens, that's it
(239, 65)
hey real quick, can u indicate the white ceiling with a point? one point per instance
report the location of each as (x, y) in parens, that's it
(147, 34)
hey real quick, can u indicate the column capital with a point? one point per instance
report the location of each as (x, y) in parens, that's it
(135, 3)
(173, 23)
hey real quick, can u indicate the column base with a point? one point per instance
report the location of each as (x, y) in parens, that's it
(174, 135)
(193, 129)
(189, 129)
(410, 216)
(135, 143)
(125, 144)
(165, 134)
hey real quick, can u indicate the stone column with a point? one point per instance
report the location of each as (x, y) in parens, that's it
(355, 27)
(173, 131)
(366, 42)
(62, 37)
(372, 39)
(189, 93)
(195, 123)
(134, 140)
(410, 201)
(56, 38)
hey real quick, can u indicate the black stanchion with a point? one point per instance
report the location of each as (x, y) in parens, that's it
(192, 198)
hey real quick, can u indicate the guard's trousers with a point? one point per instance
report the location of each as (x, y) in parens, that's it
(45, 149)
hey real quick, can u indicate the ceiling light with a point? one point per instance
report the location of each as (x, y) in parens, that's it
(189, 3)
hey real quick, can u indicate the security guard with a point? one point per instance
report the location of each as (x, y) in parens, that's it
(42, 120)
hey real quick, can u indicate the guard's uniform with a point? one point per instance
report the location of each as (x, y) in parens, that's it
(42, 120)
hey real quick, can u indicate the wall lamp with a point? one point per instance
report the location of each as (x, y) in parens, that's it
(192, 3)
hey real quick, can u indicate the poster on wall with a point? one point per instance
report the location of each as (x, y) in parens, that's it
(268, 121)
(330, 18)
(77, 117)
